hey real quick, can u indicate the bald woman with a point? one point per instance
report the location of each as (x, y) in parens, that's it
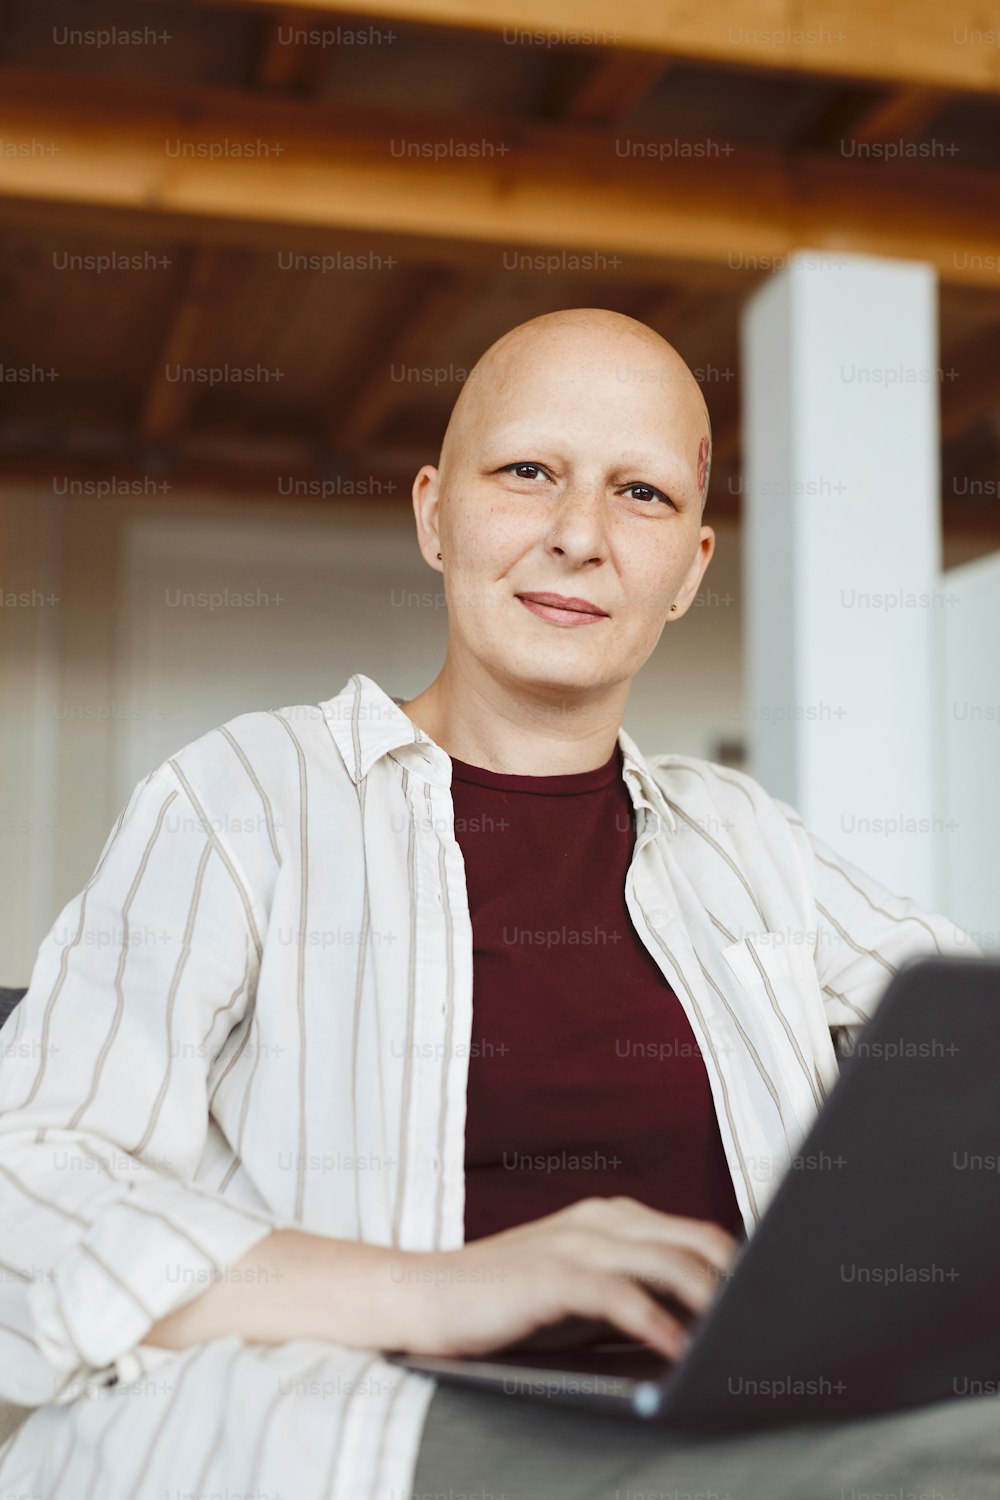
(237, 1164)
(575, 464)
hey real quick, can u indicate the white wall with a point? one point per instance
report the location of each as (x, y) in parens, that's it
(338, 595)
(30, 637)
(124, 669)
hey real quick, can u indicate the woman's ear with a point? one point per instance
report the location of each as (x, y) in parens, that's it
(695, 573)
(426, 503)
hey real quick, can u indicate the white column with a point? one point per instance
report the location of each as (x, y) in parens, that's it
(969, 631)
(842, 554)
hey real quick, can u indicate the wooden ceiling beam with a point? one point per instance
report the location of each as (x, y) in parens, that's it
(121, 227)
(208, 155)
(905, 42)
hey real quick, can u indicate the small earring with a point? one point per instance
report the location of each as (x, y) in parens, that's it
(439, 554)
(672, 607)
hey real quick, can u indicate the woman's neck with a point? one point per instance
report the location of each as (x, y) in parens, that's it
(520, 736)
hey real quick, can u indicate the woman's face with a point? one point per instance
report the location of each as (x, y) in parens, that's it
(576, 466)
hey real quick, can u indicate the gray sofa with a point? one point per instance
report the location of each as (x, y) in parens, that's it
(8, 1000)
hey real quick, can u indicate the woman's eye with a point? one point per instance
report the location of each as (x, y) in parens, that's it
(516, 470)
(648, 492)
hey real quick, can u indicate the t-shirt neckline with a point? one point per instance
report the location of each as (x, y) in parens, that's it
(563, 784)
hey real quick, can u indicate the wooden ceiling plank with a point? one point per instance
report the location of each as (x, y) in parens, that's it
(168, 401)
(439, 303)
(286, 62)
(970, 385)
(902, 114)
(612, 88)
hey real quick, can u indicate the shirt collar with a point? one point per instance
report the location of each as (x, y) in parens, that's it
(367, 723)
(649, 792)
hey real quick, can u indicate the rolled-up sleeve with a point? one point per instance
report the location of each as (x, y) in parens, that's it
(864, 932)
(104, 1099)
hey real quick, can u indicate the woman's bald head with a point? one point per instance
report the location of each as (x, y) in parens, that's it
(594, 350)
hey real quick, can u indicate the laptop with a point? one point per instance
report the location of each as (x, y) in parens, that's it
(870, 1283)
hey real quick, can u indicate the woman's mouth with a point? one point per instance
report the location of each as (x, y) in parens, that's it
(562, 611)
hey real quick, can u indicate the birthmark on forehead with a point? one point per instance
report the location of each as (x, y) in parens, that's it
(704, 467)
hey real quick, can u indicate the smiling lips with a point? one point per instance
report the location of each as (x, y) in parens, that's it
(561, 609)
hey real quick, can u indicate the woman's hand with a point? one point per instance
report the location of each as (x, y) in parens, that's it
(599, 1260)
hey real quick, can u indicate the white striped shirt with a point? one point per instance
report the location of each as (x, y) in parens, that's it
(258, 1013)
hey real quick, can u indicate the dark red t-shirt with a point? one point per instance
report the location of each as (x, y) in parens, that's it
(584, 1076)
